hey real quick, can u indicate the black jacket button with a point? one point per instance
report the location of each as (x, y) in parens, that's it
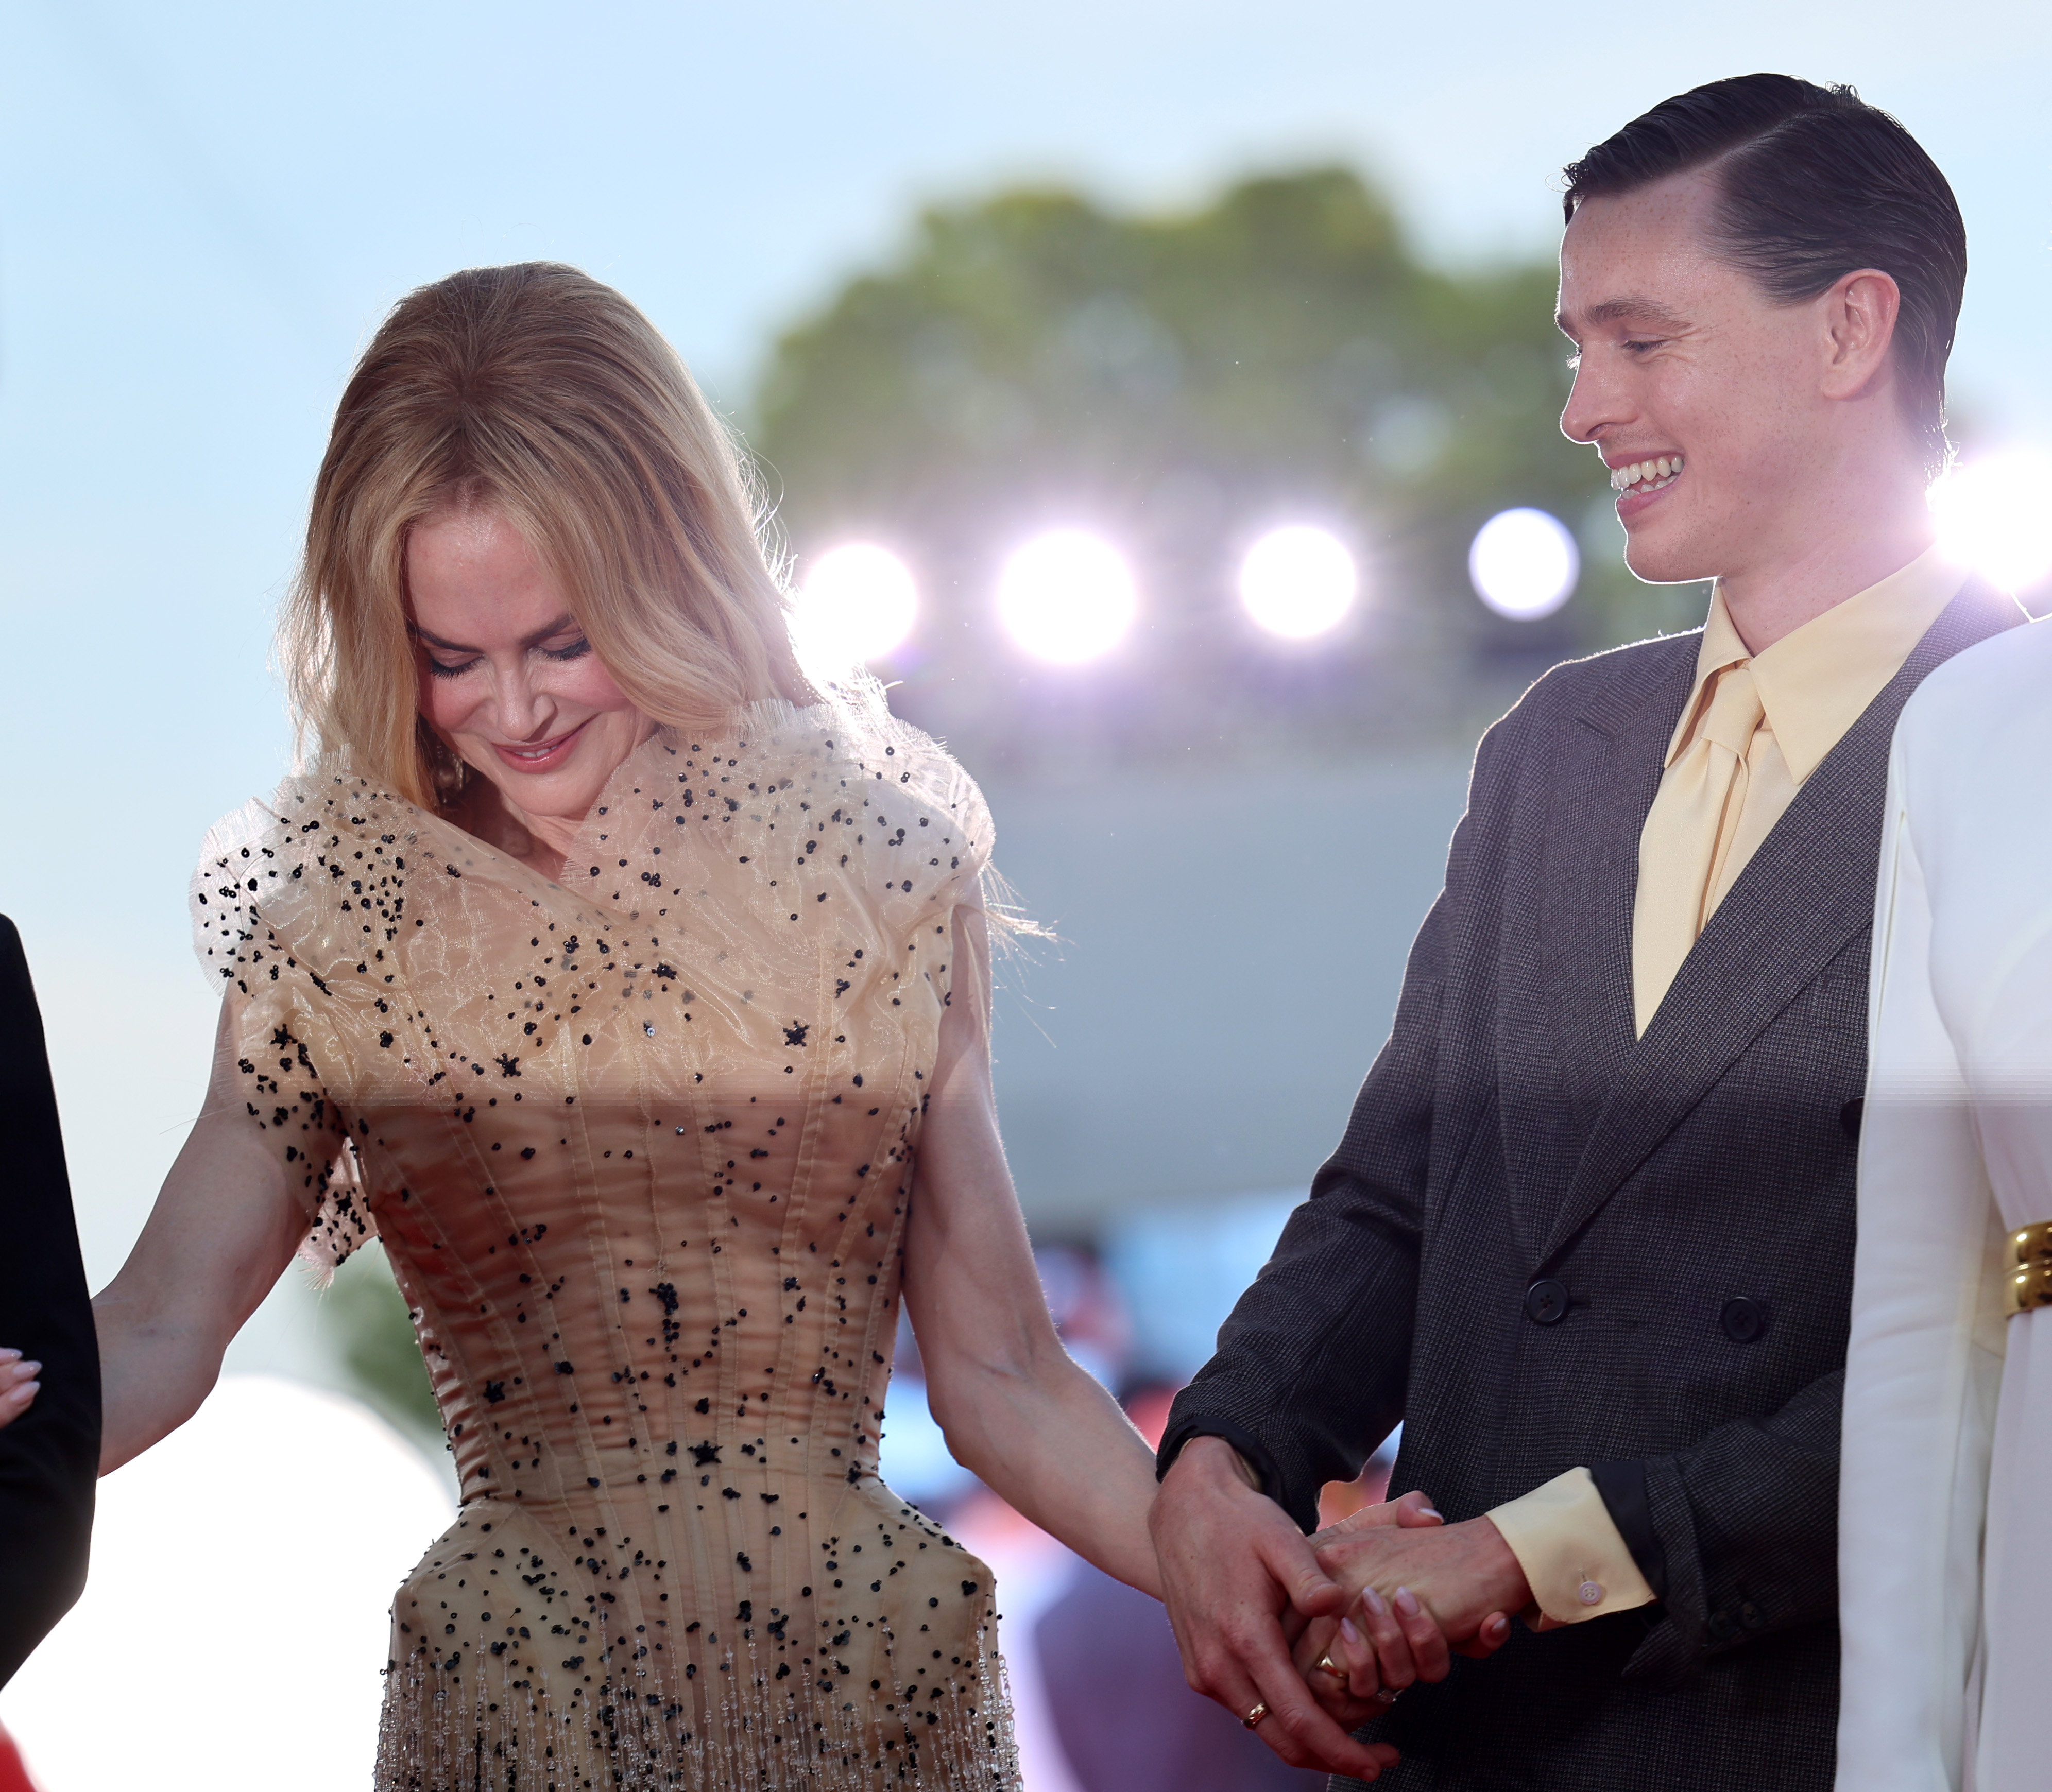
(1546, 1302)
(1749, 1615)
(1850, 1115)
(1723, 1627)
(1744, 1319)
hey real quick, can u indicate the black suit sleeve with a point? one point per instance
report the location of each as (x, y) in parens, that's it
(1744, 1524)
(49, 1458)
(1311, 1366)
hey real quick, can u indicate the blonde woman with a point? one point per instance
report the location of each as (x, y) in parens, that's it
(637, 996)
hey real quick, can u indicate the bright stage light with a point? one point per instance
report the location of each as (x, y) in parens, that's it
(1297, 582)
(857, 604)
(1991, 514)
(1524, 564)
(1066, 596)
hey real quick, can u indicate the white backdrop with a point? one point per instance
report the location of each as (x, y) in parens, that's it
(230, 1636)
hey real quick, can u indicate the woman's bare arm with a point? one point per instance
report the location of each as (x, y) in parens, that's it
(1016, 1409)
(225, 1226)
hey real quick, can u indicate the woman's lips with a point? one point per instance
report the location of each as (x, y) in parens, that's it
(541, 756)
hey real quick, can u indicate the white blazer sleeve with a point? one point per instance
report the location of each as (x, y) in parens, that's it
(1919, 1392)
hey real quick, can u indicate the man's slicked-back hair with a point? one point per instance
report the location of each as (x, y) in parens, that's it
(1814, 184)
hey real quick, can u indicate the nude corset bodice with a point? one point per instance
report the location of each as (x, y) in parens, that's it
(639, 1146)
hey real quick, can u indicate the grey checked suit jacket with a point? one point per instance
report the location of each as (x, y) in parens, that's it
(1512, 1129)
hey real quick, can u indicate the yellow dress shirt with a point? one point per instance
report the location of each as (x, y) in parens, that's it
(1755, 727)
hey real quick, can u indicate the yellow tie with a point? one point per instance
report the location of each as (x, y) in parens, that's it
(1687, 831)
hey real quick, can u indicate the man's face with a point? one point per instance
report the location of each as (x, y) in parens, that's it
(1682, 359)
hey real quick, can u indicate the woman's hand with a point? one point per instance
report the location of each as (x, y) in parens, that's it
(18, 1386)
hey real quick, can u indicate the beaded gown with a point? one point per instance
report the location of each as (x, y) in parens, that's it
(640, 1148)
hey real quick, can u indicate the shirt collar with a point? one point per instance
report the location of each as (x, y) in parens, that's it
(1814, 681)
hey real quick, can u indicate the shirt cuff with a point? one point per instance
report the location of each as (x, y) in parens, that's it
(1568, 1544)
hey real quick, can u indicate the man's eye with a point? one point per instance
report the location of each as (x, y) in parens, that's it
(1638, 346)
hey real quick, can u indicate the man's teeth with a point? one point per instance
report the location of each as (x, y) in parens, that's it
(1645, 475)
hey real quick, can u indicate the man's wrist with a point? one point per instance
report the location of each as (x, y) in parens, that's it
(1505, 1572)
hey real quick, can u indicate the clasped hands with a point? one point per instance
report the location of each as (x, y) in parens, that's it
(1313, 1637)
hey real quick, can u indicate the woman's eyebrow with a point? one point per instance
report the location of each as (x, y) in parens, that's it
(561, 623)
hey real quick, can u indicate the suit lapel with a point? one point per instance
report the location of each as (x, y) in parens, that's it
(1606, 773)
(1564, 1032)
(1805, 896)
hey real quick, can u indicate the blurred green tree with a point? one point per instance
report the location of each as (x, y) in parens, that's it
(1181, 383)
(364, 1318)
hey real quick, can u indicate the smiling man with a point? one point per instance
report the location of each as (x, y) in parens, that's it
(1589, 1230)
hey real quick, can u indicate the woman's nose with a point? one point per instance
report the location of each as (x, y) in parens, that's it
(521, 710)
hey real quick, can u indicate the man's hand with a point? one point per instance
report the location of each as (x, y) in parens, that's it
(1382, 1645)
(1235, 1570)
(1464, 1574)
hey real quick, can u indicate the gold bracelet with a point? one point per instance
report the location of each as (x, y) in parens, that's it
(2031, 1268)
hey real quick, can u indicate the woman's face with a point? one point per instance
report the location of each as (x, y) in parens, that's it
(507, 680)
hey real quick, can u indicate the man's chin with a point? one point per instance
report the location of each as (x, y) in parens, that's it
(1658, 562)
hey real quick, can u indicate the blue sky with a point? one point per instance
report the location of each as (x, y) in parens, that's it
(203, 211)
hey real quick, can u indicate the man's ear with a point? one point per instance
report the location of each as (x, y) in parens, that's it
(1859, 314)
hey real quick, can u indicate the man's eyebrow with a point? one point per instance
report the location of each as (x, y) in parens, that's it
(1614, 310)
(562, 622)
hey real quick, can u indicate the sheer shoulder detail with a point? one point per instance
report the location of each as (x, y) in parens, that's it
(289, 911)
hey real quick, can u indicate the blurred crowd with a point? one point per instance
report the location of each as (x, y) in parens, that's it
(1098, 1687)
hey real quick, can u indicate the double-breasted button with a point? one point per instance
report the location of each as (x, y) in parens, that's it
(1723, 1625)
(1749, 1616)
(1546, 1302)
(1744, 1319)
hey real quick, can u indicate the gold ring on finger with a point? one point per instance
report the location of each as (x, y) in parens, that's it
(1328, 1665)
(1252, 1720)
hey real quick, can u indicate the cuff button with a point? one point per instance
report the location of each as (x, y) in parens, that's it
(1589, 1593)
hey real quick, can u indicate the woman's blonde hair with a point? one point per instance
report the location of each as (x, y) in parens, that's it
(539, 393)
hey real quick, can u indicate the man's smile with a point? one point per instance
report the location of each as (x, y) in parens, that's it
(1641, 476)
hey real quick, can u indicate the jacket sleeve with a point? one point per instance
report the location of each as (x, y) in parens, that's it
(1311, 1365)
(50, 1457)
(1742, 1529)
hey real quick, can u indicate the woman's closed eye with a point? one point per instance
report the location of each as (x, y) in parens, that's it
(575, 649)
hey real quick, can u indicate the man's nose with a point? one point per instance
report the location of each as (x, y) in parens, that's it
(1594, 404)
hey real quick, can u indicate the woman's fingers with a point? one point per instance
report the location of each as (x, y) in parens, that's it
(18, 1386)
(1324, 1660)
(1494, 1633)
(1356, 1653)
(1429, 1653)
(1393, 1648)
(1413, 1509)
